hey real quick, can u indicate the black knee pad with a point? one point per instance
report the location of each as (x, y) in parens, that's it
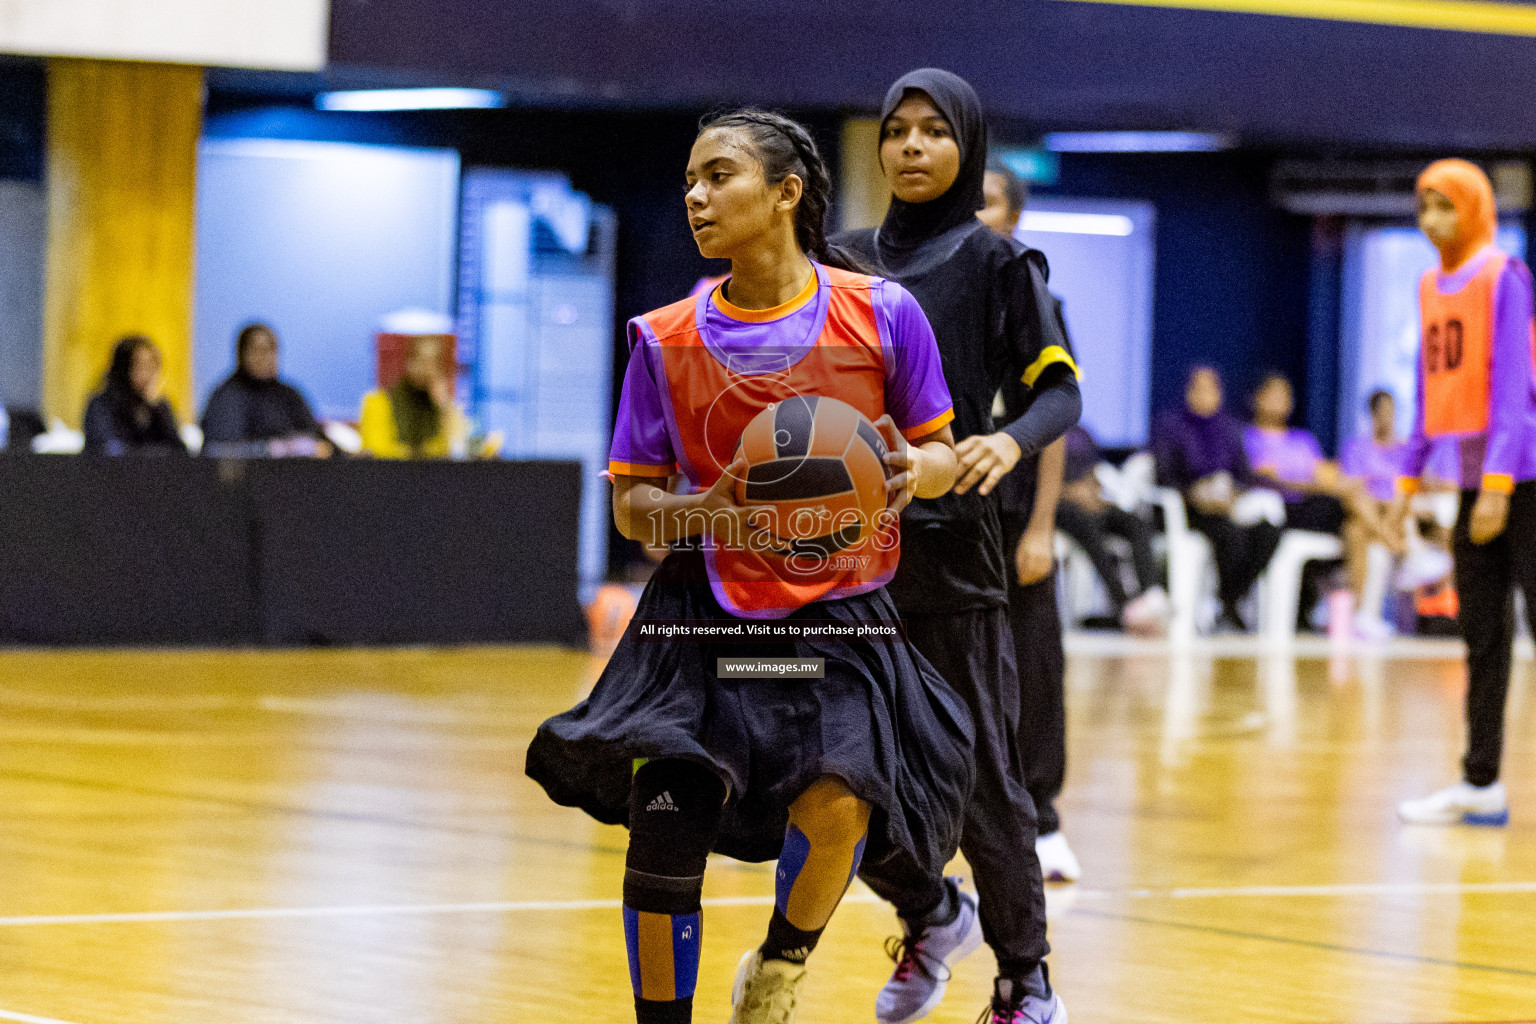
(674, 815)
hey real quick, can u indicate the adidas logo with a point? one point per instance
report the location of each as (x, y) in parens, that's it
(662, 803)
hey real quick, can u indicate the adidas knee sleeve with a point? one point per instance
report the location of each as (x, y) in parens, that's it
(674, 815)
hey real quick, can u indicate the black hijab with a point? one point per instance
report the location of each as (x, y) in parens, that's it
(908, 225)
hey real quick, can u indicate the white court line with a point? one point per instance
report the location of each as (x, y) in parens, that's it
(1404, 889)
(378, 910)
(27, 1018)
(405, 909)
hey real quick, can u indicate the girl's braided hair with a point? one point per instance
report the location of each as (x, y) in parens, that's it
(783, 147)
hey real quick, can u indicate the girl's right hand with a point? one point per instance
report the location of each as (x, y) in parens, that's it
(733, 525)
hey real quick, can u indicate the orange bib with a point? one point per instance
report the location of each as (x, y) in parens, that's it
(1456, 350)
(713, 401)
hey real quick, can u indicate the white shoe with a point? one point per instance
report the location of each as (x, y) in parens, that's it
(924, 961)
(1373, 628)
(1461, 804)
(765, 991)
(1057, 862)
(1423, 566)
(1148, 614)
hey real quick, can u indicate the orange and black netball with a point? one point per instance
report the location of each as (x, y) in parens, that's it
(819, 465)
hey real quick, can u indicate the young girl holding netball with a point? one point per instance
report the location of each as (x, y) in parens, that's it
(1475, 391)
(871, 762)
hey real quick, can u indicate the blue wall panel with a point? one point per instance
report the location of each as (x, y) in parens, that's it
(320, 240)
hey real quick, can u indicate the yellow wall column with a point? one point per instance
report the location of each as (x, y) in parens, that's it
(122, 162)
(863, 193)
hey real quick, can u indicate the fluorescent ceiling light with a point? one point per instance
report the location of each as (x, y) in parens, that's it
(410, 99)
(1135, 142)
(1077, 223)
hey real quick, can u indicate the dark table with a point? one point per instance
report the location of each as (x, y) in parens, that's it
(284, 552)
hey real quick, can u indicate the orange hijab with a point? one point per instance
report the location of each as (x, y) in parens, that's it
(1470, 191)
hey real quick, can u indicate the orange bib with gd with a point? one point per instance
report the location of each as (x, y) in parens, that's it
(1456, 350)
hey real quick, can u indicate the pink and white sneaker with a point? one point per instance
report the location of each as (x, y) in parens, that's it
(1015, 1003)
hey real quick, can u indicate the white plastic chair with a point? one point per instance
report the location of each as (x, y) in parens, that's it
(1080, 592)
(1280, 584)
(1190, 565)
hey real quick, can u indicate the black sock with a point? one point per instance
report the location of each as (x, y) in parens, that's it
(786, 942)
(1017, 979)
(676, 1011)
(941, 913)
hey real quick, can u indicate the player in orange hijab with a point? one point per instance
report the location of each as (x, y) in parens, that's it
(1475, 391)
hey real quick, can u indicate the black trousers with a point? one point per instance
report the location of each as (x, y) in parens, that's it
(973, 650)
(1485, 577)
(1036, 622)
(1320, 513)
(1089, 529)
(1242, 552)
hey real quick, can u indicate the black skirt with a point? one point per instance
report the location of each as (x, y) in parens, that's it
(882, 720)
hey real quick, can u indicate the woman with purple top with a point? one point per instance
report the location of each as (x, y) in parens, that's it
(1374, 460)
(1289, 460)
(1318, 495)
(1199, 452)
(1475, 389)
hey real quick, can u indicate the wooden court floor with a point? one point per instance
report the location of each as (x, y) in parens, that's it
(266, 838)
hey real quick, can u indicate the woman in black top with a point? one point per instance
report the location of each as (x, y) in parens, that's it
(986, 298)
(1199, 452)
(254, 414)
(129, 415)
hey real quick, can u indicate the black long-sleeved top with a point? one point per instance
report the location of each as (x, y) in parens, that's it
(244, 414)
(114, 426)
(995, 322)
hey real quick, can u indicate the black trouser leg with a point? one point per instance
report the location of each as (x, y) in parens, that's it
(1138, 533)
(1242, 552)
(973, 651)
(1087, 529)
(1485, 574)
(1036, 623)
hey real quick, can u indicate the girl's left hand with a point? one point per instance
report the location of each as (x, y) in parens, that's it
(1035, 557)
(986, 458)
(1489, 517)
(905, 461)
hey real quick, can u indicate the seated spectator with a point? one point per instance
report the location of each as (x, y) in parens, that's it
(1318, 494)
(1374, 460)
(1199, 452)
(1289, 460)
(129, 415)
(253, 414)
(417, 417)
(1087, 518)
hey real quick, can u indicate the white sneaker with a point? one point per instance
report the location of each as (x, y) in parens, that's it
(1461, 804)
(1057, 862)
(1372, 628)
(924, 961)
(1423, 566)
(765, 991)
(1148, 614)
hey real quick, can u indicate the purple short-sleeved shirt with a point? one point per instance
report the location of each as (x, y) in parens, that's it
(916, 396)
(1293, 455)
(1378, 465)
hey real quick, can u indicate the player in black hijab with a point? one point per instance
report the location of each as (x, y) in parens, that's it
(994, 319)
